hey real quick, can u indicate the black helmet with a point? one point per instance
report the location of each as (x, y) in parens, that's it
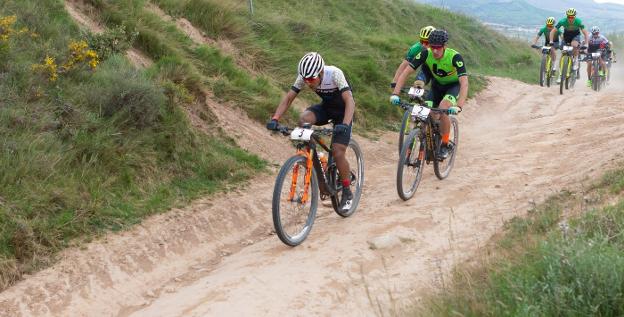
(438, 37)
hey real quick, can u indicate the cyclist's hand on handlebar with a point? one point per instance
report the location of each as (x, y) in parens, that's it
(341, 129)
(454, 110)
(272, 125)
(395, 100)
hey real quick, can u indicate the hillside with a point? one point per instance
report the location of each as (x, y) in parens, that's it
(115, 110)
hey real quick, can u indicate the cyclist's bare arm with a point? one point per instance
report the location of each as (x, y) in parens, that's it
(401, 80)
(347, 96)
(285, 103)
(463, 91)
(404, 64)
(586, 34)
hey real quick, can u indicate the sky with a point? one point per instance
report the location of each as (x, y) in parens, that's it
(611, 1)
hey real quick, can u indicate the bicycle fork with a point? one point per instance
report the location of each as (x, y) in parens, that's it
(307, 178)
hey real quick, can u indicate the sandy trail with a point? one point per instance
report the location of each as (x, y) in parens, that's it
(518, 144)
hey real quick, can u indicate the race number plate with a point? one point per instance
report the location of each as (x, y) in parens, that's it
(596, 55)
(415, 92)
(420, 112)
(300, 134)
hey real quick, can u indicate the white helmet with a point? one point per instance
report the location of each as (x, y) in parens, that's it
(311, 65)
(595, 29)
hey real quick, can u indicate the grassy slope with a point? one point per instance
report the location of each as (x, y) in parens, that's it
(92, 151)
(74, 159)
(545, 267)
(367, 39)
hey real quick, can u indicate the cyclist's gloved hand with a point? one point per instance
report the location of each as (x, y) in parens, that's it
(272, 125)
(454, 110)
(392, 85)
(395, 100)
(341, 129)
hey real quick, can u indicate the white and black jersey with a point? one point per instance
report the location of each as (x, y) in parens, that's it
(331, 87)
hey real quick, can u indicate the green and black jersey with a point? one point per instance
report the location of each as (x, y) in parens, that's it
(546, 32)
(445, 70)
(570, 28)
(413, 51)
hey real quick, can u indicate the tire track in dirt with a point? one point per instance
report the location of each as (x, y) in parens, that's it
(218, 257)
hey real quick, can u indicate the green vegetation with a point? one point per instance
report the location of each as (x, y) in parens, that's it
(367, 39)
(546, 266)
(92, 150)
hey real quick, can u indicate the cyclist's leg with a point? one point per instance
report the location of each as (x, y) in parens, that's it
(316, 115)
(589, 64)
(553, 54)
(576, 40)
(423, 77)
(449, 100)
(340, 144)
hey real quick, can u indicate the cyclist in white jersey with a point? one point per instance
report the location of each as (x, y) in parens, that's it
(337, 104)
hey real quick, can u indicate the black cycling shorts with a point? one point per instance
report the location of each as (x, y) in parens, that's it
(324, 113)
(440, 92)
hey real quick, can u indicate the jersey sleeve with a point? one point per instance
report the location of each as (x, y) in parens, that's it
(419, 59)
(298, 85)
(540, 32)
(458, 63)
(580, 24)
(340, 80)
(411, 53)
(561, 23)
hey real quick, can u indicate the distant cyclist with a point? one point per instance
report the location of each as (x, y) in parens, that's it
(337, 104)
(449, 88)
(550, 25)
(597, 42)
(422, 76)
(572, 27)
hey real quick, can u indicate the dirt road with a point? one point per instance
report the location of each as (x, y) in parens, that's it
(518, 144)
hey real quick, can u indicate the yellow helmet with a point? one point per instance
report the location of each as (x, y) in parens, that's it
(571, 12)
(424, 32)
(550, 21)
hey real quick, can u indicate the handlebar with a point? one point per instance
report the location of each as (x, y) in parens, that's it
(285, 130)
(408, 106)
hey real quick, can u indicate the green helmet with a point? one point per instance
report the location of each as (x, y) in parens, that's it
(571, 12)
(424, 32)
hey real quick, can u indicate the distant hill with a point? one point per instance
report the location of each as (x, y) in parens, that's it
(530, 13)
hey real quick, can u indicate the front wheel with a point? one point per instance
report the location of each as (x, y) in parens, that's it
(294, 201)
(405, 128)
(595, 75)
(443, 168)
(411, 165)
(356, 166)
(565, 70)
(543, 72)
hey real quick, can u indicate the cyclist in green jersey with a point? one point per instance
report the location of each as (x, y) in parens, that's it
(550, 24)
(449, 88)
(422, 77)
(572, 27)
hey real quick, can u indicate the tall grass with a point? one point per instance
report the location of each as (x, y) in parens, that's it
(94, 150)
(367, 39)
(541, 269)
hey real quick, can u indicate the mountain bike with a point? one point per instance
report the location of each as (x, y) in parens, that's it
(546, 71)
(405, 121)
(598, 80)
(568, 74)
(304, 175)
(421, 147)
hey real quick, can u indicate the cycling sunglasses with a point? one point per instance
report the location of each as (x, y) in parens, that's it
(571, 16)
(435, 47)
(310, 79)
(424, 42)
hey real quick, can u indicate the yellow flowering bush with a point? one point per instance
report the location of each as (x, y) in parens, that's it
(79, 54)
(6, 28)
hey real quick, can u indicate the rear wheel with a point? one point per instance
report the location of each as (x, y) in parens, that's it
(442, 169)
(356, 166)
(405, 128)
(411, 165)
(294, 209)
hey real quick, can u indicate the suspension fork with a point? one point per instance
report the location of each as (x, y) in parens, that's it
(307, 153)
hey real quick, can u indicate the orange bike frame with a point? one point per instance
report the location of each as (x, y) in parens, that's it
(307, 178)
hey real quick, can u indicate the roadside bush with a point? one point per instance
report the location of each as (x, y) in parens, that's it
(126, 95)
